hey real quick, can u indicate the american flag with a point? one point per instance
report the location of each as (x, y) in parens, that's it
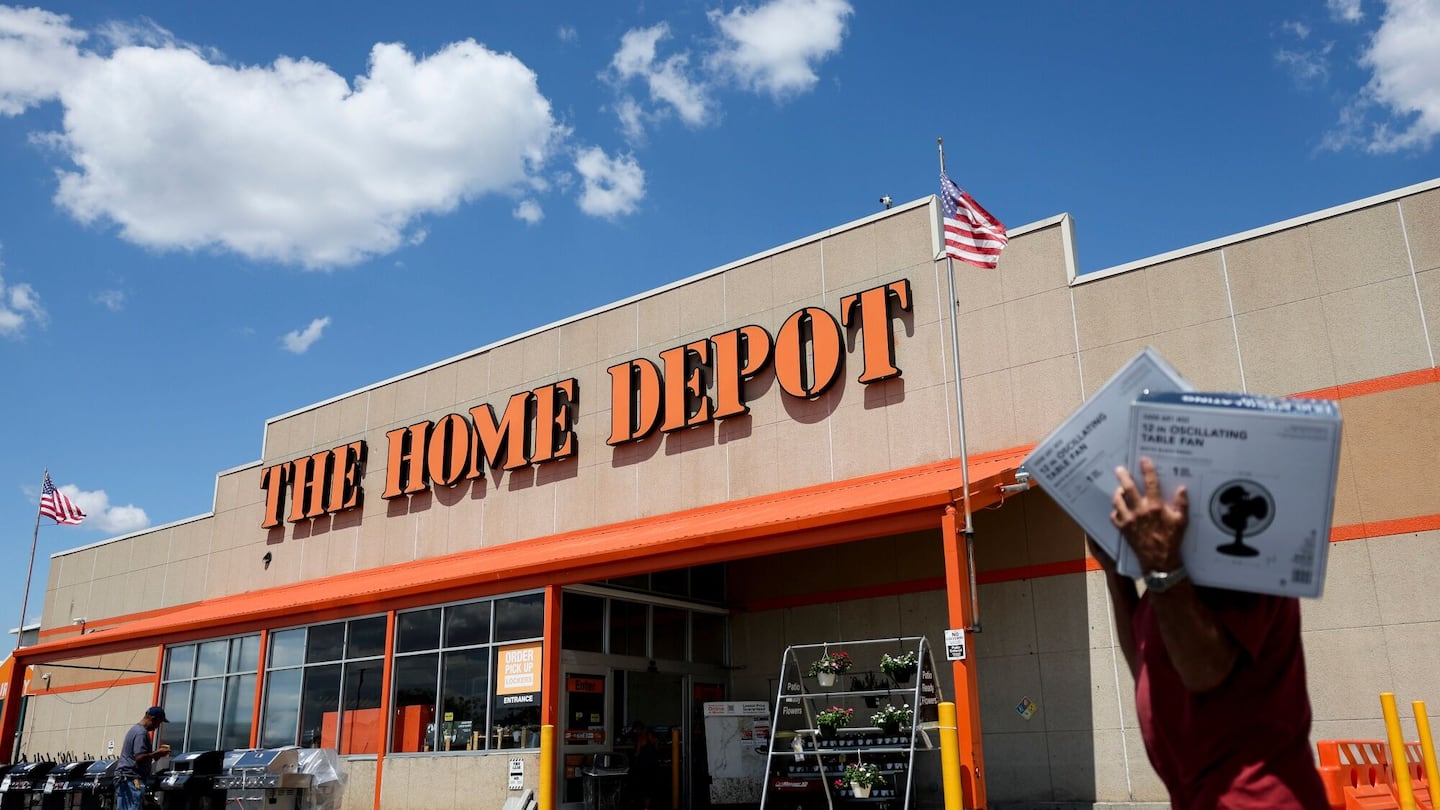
(54, 504)
(971, 234)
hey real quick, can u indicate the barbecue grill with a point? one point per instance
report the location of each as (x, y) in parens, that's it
(266, 778)
(23, 786)
(189, 783)
(96, 790)
(61, 786)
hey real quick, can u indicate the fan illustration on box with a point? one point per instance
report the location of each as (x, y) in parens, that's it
(1242, 508)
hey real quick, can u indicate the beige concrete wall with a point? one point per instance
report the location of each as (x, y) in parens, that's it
(429, 782)
(85, 723)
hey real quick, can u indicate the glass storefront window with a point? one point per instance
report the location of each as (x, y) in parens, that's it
(583, 617)
(367, 638)
(627, 627)
(520, 617)
(324, 642)
(707, 638)
(282, 708)
(208, 691)
(323, 687)
(670, 626)
(211, 658)
(206, 703)
(175, 697)
(287, 648)
(179, 663)
(320, 694)
(415, 703)
(239, 706)
(418, 630)
(477, 686)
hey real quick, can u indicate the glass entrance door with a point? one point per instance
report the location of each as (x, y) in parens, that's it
(653, 713)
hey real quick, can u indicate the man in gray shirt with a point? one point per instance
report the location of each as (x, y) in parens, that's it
(135, 757)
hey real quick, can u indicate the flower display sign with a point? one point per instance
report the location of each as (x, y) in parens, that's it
(832, 663)
(892, 715)
(862, 774)
(837, 716)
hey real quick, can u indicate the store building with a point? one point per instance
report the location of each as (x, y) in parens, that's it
(619, 516)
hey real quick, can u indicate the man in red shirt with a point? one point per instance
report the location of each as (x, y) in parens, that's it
(1219, 675)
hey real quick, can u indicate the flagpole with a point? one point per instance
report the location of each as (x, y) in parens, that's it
(29, 571)
(960, 418)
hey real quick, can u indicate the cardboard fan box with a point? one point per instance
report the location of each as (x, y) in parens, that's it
(1288, 460)
(1076, 463)
(1260, 472)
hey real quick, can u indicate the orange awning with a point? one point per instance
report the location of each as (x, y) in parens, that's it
(801, 518)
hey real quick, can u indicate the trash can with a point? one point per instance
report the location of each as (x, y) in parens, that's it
(605, 782)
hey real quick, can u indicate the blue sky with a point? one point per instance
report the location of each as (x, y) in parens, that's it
(211, 214)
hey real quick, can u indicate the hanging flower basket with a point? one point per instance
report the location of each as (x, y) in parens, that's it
(900, 667)
(827, 666)
(861, 777)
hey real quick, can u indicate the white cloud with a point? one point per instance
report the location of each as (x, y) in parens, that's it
(99, 514)
(113, 300)
(774, 48)
(567, 33)
(1399, 108)
(286, 162)
(299, 341)
(1307, 67)
(38, 56)
(612, 186)
(669, 82)
(529, 212)
(1345, 10)
(19, 306)
(632, 119)
(1299, 29)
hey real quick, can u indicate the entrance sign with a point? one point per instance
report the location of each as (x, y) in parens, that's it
(519, 669)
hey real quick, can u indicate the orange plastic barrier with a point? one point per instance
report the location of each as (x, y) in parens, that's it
(1356, 774)
(1415, 763)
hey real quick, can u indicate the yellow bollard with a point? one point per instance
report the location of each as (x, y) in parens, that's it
(950, 756)
(1427, 750)
(1397, 752)
(547, 767)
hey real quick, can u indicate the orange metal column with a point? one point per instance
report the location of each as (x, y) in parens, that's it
(10, 717)
(386, 711)
(967, 692)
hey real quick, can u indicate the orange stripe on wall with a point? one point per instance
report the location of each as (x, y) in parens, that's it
(143, 680)
(1379, 385)
(1385, 528)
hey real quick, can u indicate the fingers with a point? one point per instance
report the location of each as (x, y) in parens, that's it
(1151, 477)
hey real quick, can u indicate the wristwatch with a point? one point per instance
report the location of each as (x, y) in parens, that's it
(1162, 581)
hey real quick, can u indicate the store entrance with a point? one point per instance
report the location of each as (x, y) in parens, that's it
(652, 734)
(647, 717)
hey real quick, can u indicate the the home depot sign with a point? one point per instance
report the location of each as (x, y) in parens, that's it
(692, 384)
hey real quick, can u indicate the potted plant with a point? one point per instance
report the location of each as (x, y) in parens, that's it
(892, 718)
(867, 683)
(860, 776)
(827, 666)
(900, 667)
(832, 718)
